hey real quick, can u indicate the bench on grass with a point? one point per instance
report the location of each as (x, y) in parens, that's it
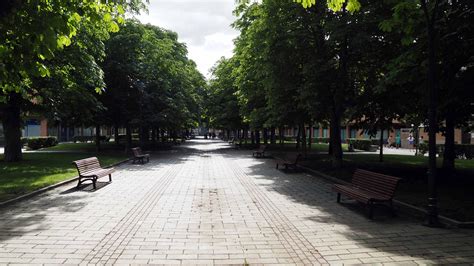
(369, 188)
(290, 161)
(139, 156)
(231, 141)
(90, 169)
(260, 152)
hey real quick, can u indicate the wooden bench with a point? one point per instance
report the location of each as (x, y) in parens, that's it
(369, 188)
(231, 141)
(139, 156)
(260, 152)
(90, 169)
(290, 161)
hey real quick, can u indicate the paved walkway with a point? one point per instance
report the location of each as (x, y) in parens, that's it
(206, 204)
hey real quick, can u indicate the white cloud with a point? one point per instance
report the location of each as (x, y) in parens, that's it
(204, 25)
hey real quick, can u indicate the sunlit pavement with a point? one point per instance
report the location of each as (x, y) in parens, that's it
(210, 204)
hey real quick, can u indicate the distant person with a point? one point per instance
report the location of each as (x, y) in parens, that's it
(421, 141)
(398, 141)
(389, 141)
(411, 142)
(213, 135)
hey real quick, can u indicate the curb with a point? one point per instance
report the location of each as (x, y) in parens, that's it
(403, 206)
(45, 189)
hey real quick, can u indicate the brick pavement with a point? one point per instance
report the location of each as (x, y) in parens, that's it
(205, 205)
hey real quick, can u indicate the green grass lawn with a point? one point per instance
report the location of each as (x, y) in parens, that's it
(455, 190)
(39, 170)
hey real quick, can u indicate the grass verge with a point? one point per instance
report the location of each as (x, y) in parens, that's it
(38, 170)
(455, 190)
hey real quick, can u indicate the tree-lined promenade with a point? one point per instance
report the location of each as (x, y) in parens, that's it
(367, 64)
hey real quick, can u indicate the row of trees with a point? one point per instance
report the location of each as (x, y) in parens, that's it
(331, 63)
(81, 63)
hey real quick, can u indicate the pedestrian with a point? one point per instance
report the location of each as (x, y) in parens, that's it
(411, 142)
(421, 141)
(398, 141)
(389, 141)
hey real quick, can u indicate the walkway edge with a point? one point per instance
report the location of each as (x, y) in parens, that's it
(51, 187)
(405, 207)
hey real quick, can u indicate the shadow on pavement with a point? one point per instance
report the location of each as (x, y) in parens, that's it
(396, 236)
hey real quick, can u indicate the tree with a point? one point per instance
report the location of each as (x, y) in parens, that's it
(31, 32)
(151, 84)
(222, 102)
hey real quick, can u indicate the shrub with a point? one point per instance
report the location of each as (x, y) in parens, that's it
(42, 142)
(88, 138)
(82, 138)
(320, 140)
(462, 151)
(360, 144)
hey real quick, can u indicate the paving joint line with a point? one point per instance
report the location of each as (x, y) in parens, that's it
(131, 219)
(283, 224)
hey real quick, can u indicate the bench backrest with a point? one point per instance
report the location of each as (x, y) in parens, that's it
(294, 157)
(375, 182)
(87, 165)
(137, 151)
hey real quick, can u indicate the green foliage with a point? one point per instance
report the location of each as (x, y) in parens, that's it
(320, 140)
(360, 144)
(150, 81)
(33, 31)
(335, 5)
(461, 151)
(42, 142)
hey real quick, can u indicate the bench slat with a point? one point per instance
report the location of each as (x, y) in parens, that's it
(369, 187)
(90, 169)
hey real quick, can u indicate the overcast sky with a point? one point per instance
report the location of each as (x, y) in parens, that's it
(204, 25)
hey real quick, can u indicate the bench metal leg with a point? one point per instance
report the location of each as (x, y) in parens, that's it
(94, 183)
(277, 166)
(392, 210)
(371, 209)
(338, 197)
(110, 177)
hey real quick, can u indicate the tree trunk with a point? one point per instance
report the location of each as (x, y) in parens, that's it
(310, 137)
(298, 138)
(265, 136)
(116, 134)
(252, 136)
(335, 139)
(153, 134)
(272, 136)
(128, 137)
(97, 138)
(303, 139)
(381, 146)
(257, 137)
(12, 128)
(449, 153)
(144, 135)
(282, 136)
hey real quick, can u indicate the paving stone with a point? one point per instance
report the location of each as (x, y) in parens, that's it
(206, 204)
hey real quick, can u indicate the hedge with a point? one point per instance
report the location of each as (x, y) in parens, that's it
(360, 144)
(38, 143)
(320, 140)
(461, 151)
(88, 138)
